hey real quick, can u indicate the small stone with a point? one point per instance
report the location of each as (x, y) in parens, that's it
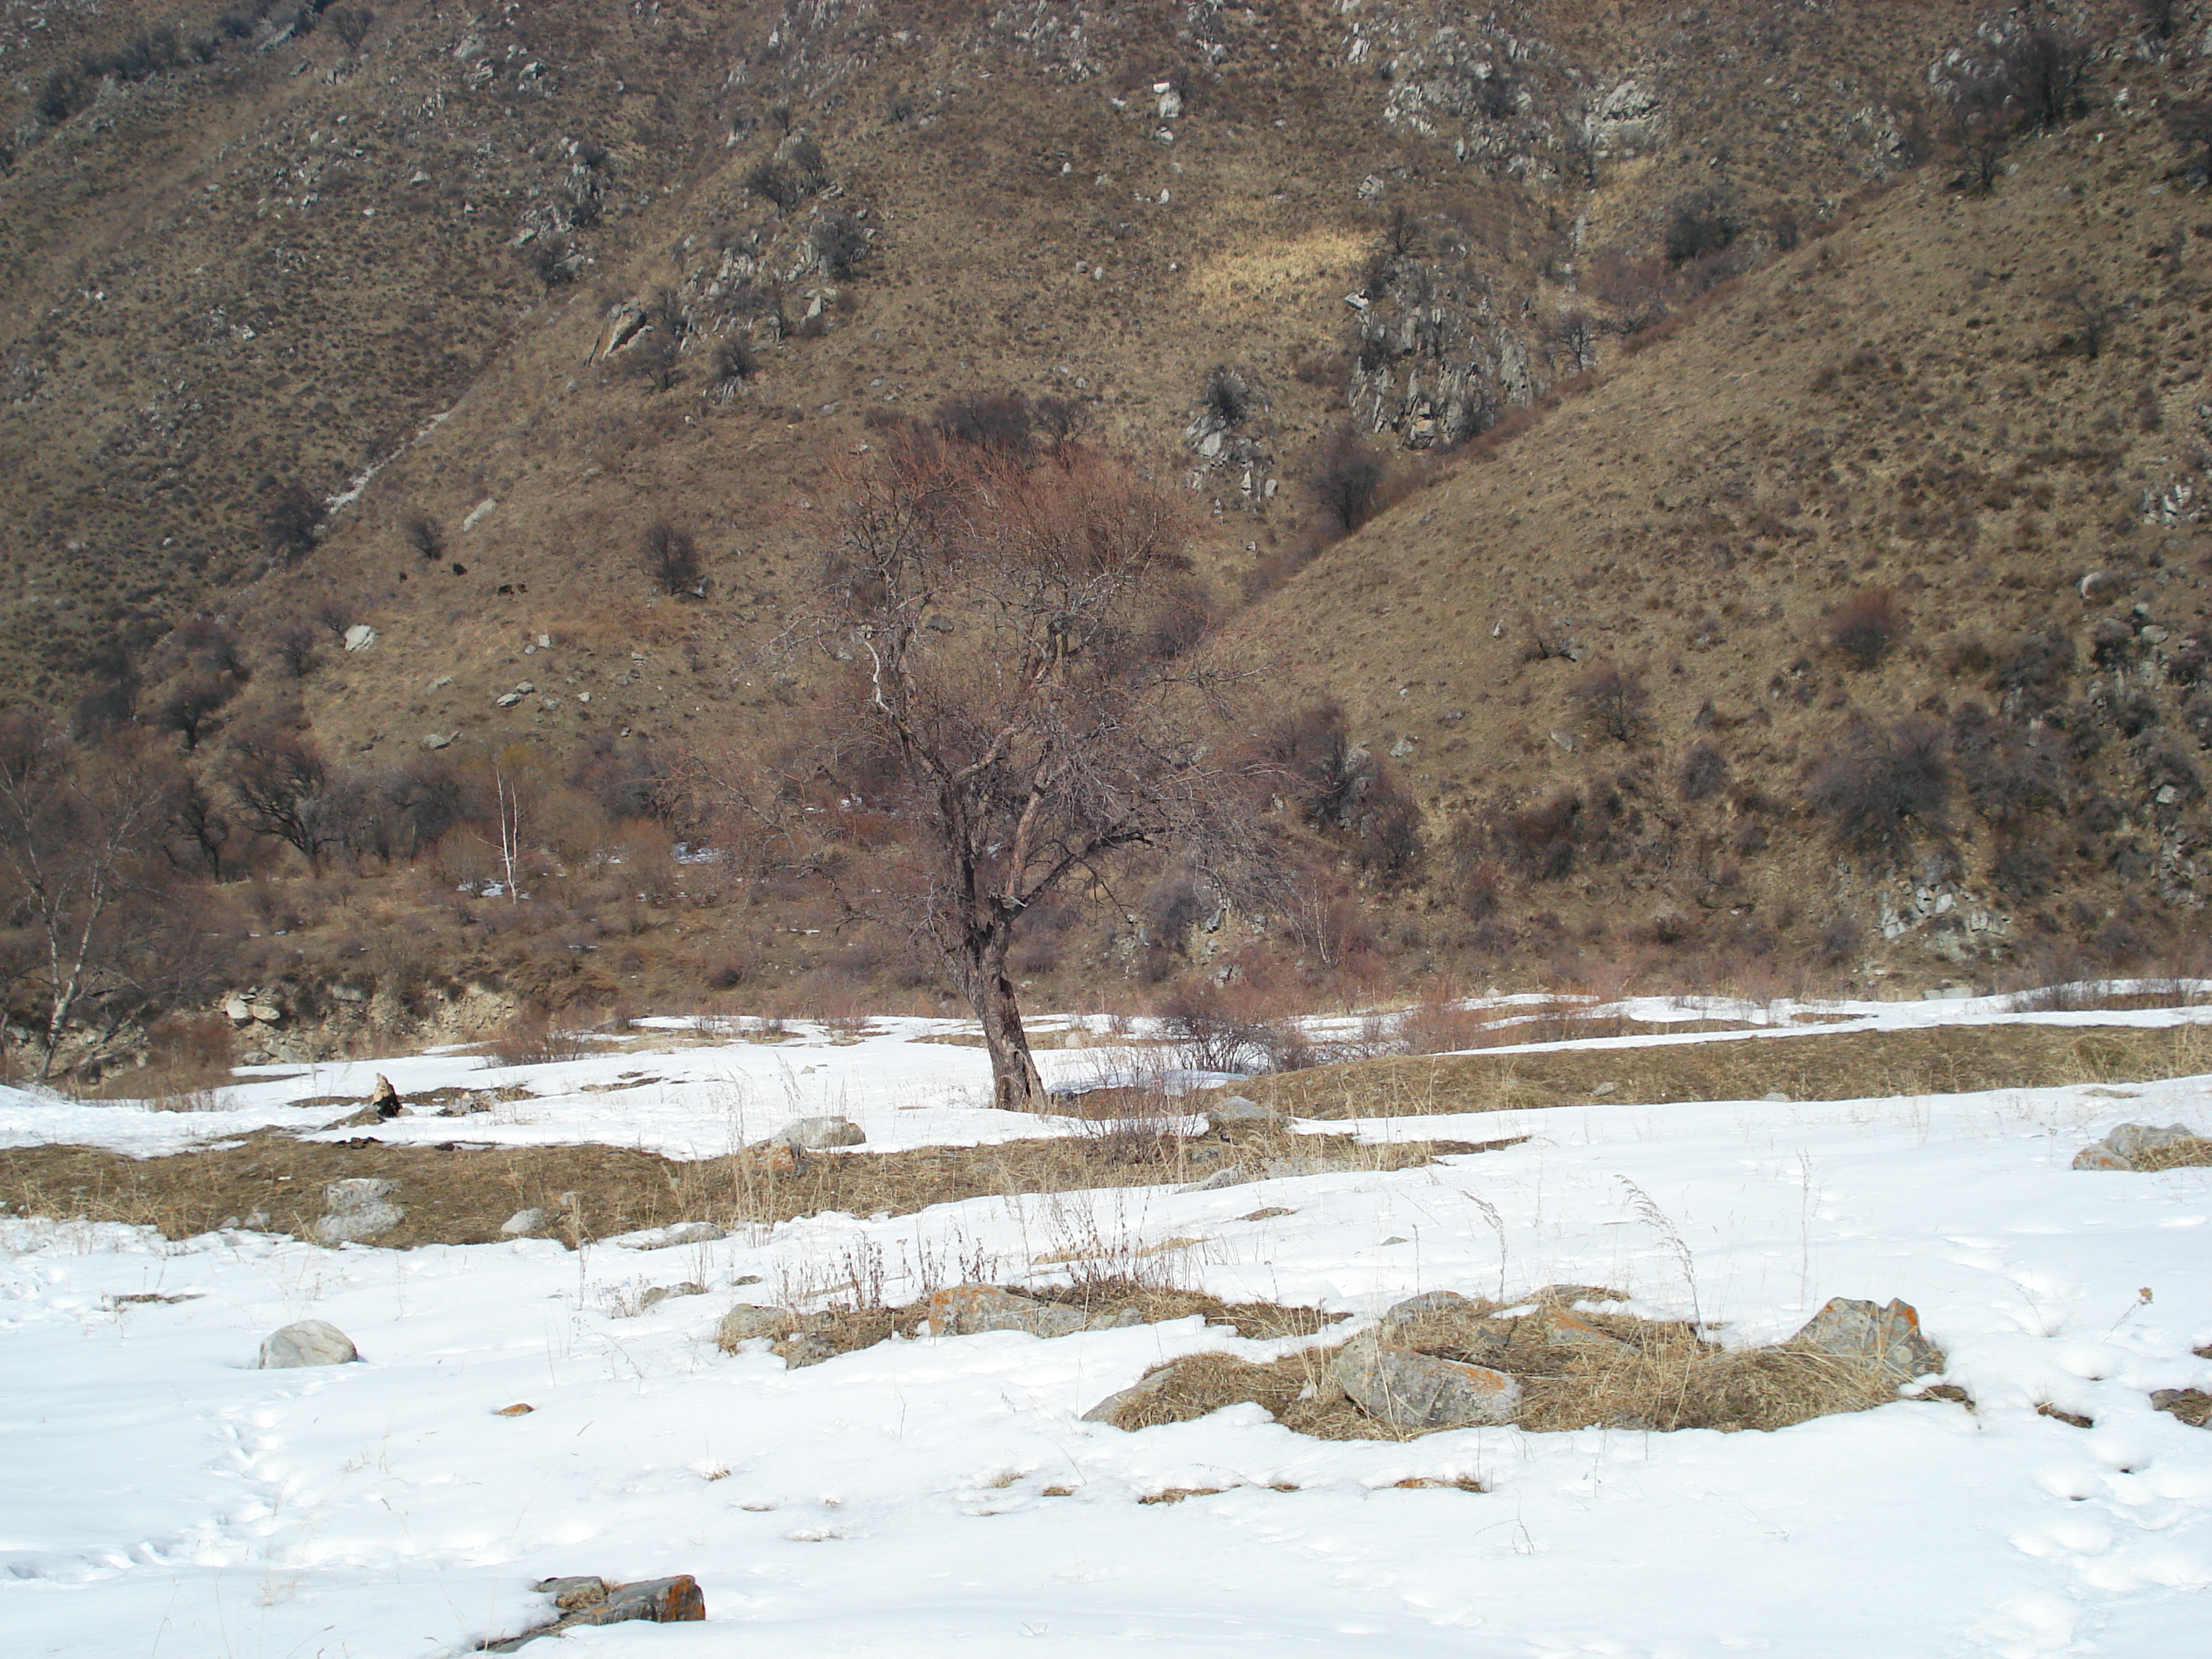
(308, 1342)
(1599, 1090)
(1410, 1390)
(1884, 1339)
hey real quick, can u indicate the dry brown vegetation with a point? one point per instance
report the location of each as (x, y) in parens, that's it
(1813, 1065)
(460, 1194)
(1656, 1375)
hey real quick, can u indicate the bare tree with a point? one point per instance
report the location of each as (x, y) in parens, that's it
(281, 786)
(1015, 680)
(73, 832)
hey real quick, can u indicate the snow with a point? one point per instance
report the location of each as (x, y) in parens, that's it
(165, 1498)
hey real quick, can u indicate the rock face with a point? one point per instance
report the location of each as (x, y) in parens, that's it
(816, 1134)
(966, 1310)
(2142, 1147)
(1886, 1340)
(309, 1342)
(1410, 1390)
(358, 1209)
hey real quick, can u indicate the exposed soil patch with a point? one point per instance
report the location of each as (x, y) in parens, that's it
(460, 1194)
(1845, 1065)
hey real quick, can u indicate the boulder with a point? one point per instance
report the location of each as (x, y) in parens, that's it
(966, 1310)
(747, 1321)
(358, 1209)
(386, 1099)
(308, 1342)
(360, 637)
(1884, 1340)
(1232, 1113)
(1410, 1390)
(523, 1224)
(815, 1134)
(773, 1157)
(2130, 1146)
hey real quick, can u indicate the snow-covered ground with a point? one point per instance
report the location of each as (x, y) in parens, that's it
(163, 1497)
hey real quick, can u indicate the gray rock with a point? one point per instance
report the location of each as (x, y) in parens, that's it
(682, 1232)
(1233, 1112)
(523, 1224)
(308, 1342)
(1884, 1340)
(815, 1134)
(358, 1209)
(2121, 1149)
(1410, 1390)
(1235, 1175)
(2132, 1140)
(360, 637)
(1108, 1410)
(967, 1309)
(747, 1321)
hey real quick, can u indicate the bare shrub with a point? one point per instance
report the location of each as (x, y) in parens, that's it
(531, 1036)
(1225, 397)
(292, 521)
(1887, 787)
(841, 243)
(997, 420)
(734, 362)
(670, 559)
(1864, 628)
(425, 535)
(1699, 222)
(1347, 477)
(1705, 772)
(1614, 701)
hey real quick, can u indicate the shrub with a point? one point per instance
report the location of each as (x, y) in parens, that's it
(670, 559)
(426, 536)
(290, 525)
(1001, 421)
(1705, 771)
(1864, 628)
(1887, 785)
(1347, 477)
(2046, 75)
(1612, 701)
(292, 642)
(1226, 397)
(840, 243)
(1698, 223)
(734, 362)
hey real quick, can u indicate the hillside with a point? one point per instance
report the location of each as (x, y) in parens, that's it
(1743, 457)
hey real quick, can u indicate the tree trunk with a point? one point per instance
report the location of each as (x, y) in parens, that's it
(1015, 1085)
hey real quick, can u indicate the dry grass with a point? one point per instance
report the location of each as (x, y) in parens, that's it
(1657, 1376)
(1847, 1065)
(2195, 1153)
(456, 1193)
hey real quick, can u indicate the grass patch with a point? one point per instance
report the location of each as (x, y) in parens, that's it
(1815, 1065)
(456, 1193)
